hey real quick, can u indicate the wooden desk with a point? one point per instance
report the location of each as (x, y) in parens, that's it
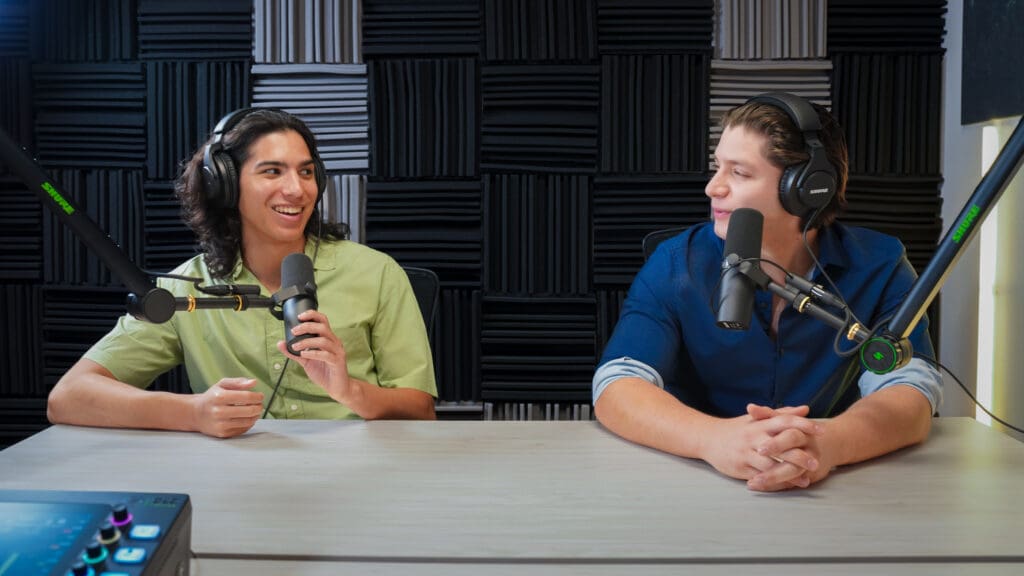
(531, 497)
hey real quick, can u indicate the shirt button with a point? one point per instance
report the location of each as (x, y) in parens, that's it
(294, 407)
(277, 365)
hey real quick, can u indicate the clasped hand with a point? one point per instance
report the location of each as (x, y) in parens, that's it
(772, 449)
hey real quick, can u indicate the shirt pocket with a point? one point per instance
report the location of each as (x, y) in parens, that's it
(358, 352)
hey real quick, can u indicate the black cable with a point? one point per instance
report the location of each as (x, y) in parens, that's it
(714, 291)
(276, 386)
(817, 264)
(212, 290)
(939, 365)
(850, 314)
(316, 250)
(721, 276)
(758, 260)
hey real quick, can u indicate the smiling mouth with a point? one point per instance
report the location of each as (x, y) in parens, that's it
(288, 210)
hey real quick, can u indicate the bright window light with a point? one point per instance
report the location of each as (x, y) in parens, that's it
(990, 144)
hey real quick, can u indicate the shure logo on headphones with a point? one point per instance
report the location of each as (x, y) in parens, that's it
(819, 190)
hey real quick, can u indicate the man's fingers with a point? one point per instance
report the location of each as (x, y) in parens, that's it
(244, 412)
(242, 398)
(781, 423)
(235, 392)
(797, 458)
(236, 411)
(780, 477)
(236, 383)
(758, 412)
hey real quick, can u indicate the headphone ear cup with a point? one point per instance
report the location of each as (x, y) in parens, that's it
(789, 191)
(221, 180)
(229, 183)
(818, 188)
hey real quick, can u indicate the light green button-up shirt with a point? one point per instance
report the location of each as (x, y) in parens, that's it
(365, 295)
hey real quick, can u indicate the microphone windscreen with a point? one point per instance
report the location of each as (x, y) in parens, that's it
(296, 270)
(744, 235)
(298, 282)
(736, 290)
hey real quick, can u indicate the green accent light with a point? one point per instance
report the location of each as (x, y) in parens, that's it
(58, 198)
(966, 224)
(879, 355)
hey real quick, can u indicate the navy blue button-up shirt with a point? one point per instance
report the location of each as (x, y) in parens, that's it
(668, 326)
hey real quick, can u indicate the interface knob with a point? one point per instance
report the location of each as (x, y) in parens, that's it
(120, 516)
(109, 534)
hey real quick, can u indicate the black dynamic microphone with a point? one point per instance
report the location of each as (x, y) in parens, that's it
(297, 295)
(736, 291)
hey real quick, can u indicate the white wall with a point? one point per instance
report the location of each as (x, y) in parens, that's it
(961, 168)
(1000, 283)
(1005, 287)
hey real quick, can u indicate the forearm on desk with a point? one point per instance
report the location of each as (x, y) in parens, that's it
(89, 395)
(373, 402)
(879, 423)
(643, 413)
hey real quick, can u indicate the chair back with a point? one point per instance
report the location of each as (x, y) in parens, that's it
(652, 240)
(427, 288)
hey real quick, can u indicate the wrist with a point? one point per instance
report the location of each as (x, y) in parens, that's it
(350, 393)
(831, 450)
(192, 410)
(710, 436)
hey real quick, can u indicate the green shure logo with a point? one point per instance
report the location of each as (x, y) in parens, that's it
(966, 224)
(58, 198)
(878, 355)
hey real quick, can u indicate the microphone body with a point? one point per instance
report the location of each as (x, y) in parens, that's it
(297, 295)
(736, 291)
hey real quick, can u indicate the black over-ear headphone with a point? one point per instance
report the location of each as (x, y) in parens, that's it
(810, 185)
(220, 175)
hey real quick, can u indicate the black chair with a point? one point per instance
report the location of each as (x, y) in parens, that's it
(652, 240)
(427, 288)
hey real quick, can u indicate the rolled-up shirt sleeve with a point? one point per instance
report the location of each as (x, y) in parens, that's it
(916, 374)
(623, 368)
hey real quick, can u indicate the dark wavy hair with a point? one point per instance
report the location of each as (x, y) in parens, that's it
(219, 231)
(786, 146)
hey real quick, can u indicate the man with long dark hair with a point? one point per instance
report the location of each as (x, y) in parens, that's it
(251, 195)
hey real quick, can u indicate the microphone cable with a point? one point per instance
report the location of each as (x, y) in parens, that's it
(287, 360)
(940, 366)
(848, 314)
(934, 362)
(838, 294)
(211, 290)
(817, 264)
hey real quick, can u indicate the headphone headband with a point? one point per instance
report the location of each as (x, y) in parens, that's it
(799, 110)
(229, 121)
(807, 186)
(220, 175)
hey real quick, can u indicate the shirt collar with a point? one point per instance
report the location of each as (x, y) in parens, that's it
(324, 260)
(830, 246)
(831, 252)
